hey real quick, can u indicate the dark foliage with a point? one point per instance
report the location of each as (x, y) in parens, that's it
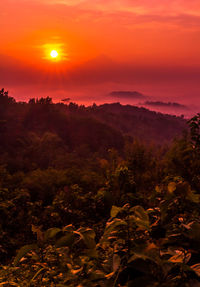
(83, 202)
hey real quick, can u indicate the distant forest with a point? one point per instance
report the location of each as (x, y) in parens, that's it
(97, 196)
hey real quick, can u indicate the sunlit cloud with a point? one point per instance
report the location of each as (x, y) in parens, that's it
(175, 12)
(136, 6)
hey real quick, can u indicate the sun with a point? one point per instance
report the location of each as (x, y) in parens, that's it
(54, 54)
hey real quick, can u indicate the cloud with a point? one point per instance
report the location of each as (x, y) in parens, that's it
(128, 12)
(135, 6)
(173, 12)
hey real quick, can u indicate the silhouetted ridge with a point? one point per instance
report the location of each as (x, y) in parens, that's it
(127, 94)
(163, 104)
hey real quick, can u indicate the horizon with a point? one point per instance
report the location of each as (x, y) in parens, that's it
(160, 107)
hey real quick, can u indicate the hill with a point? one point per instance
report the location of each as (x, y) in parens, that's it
(127, 95)
(140, 123)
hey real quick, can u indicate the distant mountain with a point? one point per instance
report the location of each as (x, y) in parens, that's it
(163, 104)
(127, 95)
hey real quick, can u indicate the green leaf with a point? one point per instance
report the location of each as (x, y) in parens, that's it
(68, 228)
(92, 253)
(88, 235)
(194, 231)
(171, 187)
(196, 268)
(115, 210)
(193, 197)
(158, 189)
(51, 233)
(136, 256)
(110, 226)
(76, 272)
(66, 240)
(112, 229)
(97, 275)
(23, 251)
(180, 257)
(141, 217)
(9, 283)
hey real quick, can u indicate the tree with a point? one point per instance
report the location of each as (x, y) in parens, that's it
(5, 100)
(194, 124)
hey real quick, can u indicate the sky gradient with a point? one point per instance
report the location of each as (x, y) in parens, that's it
(147, 45)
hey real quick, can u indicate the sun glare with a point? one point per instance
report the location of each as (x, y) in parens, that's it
(54, 54)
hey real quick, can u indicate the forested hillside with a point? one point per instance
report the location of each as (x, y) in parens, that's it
(97, 196)
(140, 123)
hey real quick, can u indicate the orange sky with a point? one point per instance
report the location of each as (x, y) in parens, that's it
(96, 33)
(150, 30)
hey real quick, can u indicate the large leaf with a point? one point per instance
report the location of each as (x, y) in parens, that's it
(158, 189)
(88, 236)
(180, 257)
(9, 283)
(114, 224)
(115, 210)
(68, 228)
(92, 253)
(148, 252)
(136, 256)
(51, 233)
(38, 231)
(193, 197)
(171, 187)
(96, 275)
(141, 217)
(196, 269)
(23, 251)
(66, 240)
(194, 231)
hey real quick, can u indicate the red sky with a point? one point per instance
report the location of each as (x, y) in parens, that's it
(151, 45)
